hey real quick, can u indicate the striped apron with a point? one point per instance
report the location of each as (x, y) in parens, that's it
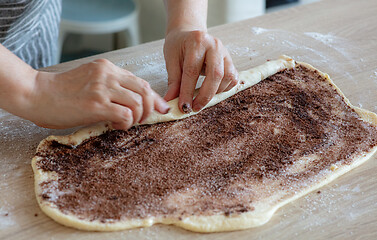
(30, 29)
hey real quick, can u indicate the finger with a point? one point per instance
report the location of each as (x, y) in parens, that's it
(230, 73)
(230, 78)
(122, 97)
(151, 100)
(214, 75)
(160, 105)
(173, 89)
(141, 87)
(120, 117)
(174, 78)
(131, 100)
(192, 66)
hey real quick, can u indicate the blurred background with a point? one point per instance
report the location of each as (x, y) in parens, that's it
(91, 27)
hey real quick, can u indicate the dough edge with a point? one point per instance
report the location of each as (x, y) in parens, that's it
(212, 223)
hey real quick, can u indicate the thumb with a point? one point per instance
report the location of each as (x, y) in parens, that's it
(174, 79)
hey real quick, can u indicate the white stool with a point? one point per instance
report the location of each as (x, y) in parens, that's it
(100, 17)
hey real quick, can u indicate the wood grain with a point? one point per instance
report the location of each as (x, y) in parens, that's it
(337, 36)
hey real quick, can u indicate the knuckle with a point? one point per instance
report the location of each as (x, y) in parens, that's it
(218, 73)
(122, 121)
(127, 73)
(102, 61)
(137, 102)
(91, 67)
(98, 70)
(97, 94)
(234, 81)
(97, 87)
(112, 82)
(93, 105)
(100, 67)
(123, 117)
(145, 88)
(231, 77)
(172, 82)
(199, 36)
(97, 100)
(218, 43)
(126, 114)
(191, 72)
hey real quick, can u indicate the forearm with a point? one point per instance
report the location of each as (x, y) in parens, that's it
(94, 92)
(16, 82)
(186, 14)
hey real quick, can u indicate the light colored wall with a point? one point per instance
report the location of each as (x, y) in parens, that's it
(227, 11)
(153, 16)
(153, 21)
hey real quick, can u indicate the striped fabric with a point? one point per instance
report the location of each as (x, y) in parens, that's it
(30, 29)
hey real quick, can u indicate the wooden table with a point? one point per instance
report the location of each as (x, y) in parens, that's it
(337, 36)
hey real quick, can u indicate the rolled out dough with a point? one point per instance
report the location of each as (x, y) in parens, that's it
(263, 210)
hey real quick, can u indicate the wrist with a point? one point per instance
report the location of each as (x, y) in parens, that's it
(186, 27)
(186, 15)
(16, 99)
(24, 101)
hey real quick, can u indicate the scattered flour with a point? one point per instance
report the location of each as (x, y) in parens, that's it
(6, 218)
(259, 30)
(3, 113)
(146, 67)
(18, 139)
(339, 202)
(150, 67)
(241, 51)
(373, 76)
(334, 55)
(327, 39)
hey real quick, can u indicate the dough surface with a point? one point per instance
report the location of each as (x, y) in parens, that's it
(272, 185)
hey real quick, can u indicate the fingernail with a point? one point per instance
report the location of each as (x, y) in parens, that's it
(167, 110)
(186, 108)
(197, 107)
(165, 106)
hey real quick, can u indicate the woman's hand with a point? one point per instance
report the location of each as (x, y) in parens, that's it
(187, 55)
(94, 92)
(189, 51)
